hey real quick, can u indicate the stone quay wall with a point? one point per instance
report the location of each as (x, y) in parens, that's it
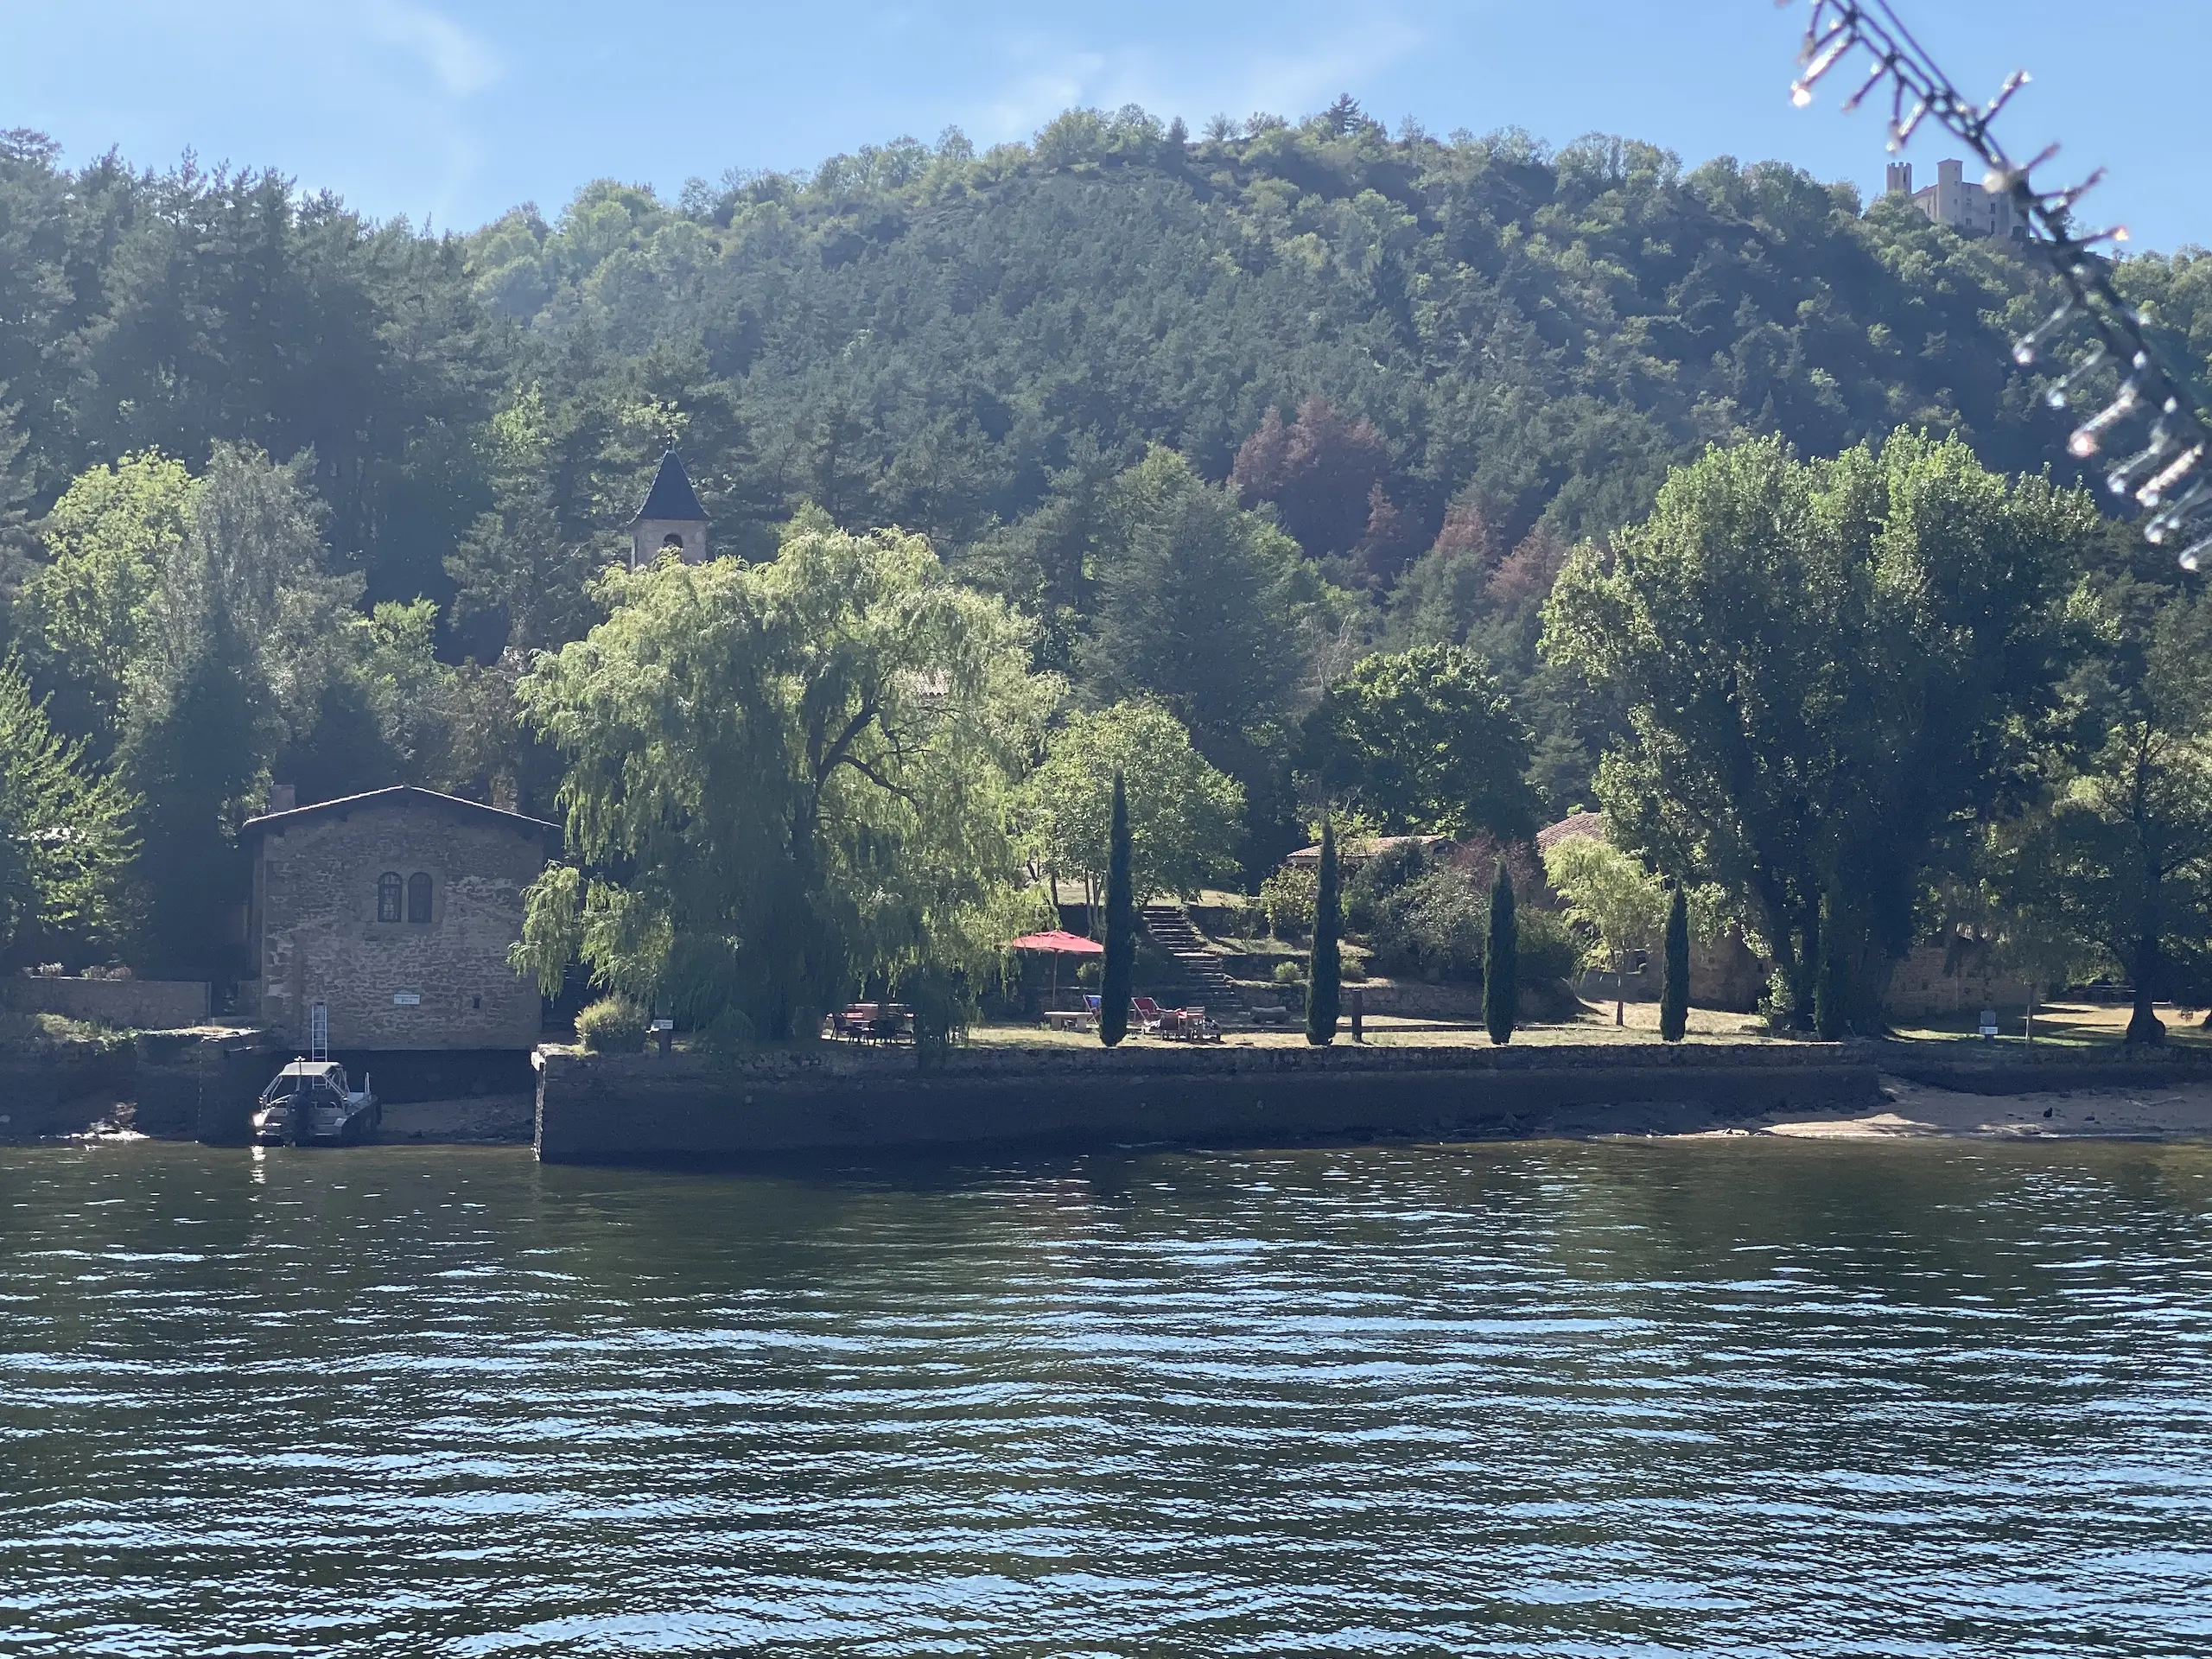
(1970, 1068)
(648, 1108)
(198, 1082)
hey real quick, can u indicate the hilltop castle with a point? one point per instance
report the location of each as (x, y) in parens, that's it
(1966, 207)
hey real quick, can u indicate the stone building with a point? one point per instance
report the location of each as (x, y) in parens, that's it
(396, 909)
(1956, 200)
(670, 519)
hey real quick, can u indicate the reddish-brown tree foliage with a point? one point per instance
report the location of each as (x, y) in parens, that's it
(1318, 471)
(1392, 541)
(1527, 573)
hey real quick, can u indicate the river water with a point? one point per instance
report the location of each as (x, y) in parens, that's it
(1703, 1397)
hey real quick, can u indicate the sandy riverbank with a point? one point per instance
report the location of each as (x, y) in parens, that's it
(1911, 1110)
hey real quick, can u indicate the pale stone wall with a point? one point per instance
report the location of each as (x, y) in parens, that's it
(316, 891)
(649, 535)
(1932, 980)
(140, 1004)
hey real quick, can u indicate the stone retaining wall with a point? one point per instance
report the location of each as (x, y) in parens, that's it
(197, 1082)
(126, 1004)
(1965, 1068)
(41, 1094)
(606, 1108)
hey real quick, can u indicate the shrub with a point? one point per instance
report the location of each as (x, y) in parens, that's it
(1287, 896)
(1432, 927)
(1290, 972)
(1242, 919)
(1377, 878)
(614, 1024)
(943, 1007)
(1548, 948)
(729, 1032)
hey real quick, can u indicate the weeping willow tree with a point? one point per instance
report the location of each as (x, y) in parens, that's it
(787, 781)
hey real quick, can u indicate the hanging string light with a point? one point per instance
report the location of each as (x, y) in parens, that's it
(2173, 450)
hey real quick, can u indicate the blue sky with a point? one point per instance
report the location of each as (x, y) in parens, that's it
(454, 110)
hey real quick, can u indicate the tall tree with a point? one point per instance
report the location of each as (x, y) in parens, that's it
(65, 836)
(1622, 904)
(1324, 974)
(1674, 982)
(2120, 854)
(1322, 473)
(1185, 817)
(1423, 739)
(521, 574)
(1114, 984)
(785, 780)
(195, 753)
(1502, 960)
(241, 616)
(1821, 663)
(86, 613)
(1200, 605)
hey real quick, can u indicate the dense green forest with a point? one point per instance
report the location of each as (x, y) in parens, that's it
(284, 493)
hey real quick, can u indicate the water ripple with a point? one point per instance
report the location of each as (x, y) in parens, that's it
(1588, 1400)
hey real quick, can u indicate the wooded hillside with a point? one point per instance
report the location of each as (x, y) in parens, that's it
(1219, 414)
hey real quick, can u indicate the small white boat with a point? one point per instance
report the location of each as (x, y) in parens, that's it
(310, 1103)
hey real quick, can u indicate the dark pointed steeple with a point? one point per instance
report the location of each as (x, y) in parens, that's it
(671, 520)
(671, 496)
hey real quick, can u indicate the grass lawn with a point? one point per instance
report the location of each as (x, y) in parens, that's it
(2062, 1025)
(1593, 1025)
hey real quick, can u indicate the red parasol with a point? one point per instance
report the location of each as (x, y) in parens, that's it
(1057, 945)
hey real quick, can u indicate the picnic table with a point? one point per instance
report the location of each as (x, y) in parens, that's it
(872, 1022)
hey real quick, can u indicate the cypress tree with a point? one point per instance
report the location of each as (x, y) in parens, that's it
(1831, 977)
(193, 754)
(1325, 976)
(1114, 983)
(1501, 960)
(1675, 983)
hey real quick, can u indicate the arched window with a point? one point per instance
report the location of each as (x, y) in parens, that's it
(418, 897)
(671, 542)
(388, 896)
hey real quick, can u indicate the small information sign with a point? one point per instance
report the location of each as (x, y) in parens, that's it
(405, 999)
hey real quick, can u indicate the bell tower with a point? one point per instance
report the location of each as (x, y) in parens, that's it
(671, 520)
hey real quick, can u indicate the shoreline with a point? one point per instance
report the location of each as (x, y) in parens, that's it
(2181, 1111)
(651, 1109)
(1904, 1111)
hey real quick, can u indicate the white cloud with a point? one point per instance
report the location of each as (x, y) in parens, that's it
(1051, 78)
(462, 62)
(1049, 75)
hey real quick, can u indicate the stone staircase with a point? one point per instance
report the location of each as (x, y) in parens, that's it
(1171, 932)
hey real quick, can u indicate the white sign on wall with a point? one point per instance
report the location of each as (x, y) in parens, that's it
(404, 999)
